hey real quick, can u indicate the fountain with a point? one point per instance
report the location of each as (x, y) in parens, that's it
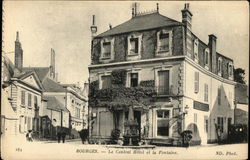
(131, 135)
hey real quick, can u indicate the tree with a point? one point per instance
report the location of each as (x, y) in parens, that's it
(239, 75)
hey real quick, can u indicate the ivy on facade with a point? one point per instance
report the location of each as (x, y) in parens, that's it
(118, 96)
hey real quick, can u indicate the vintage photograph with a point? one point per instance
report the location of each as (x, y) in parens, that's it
(124, 80)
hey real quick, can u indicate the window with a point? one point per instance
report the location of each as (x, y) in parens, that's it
(195, 121)
(219, 65)
(219, 96)
(23, 97)
(133, 46)
(206, 124)
(163, 88)
(196, 82)
(205, 92)
(106, 50)
(230, 69)
(77, 113)
(163, 123)
(134, 79)
(206, 57)
(220, 124)
(196, 43)
(29, 99)
(35, 102)
(195, 117)
(163, 42)
(106, 82)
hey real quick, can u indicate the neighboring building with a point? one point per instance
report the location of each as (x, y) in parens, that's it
(241, 104)
(193, 82)
(39, 100)
(23, 91)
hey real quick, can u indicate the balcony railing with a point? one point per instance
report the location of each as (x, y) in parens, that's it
(164, 90)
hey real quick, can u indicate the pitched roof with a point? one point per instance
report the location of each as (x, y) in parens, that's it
(55, 104)
(40, 71)
(143, 22)
(52, 86)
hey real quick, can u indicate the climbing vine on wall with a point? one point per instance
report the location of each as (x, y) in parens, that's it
(119, 96)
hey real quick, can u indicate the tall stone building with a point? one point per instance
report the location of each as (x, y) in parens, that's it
(188, 84)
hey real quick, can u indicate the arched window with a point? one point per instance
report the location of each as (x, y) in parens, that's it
(206, 57)
(196, 44)
(219, 66)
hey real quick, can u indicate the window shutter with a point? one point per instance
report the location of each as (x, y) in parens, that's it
(196, 82)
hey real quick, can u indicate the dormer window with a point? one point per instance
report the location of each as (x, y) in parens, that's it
(219, 66)
(230, 70)
(206, 58)
(164, 39)
(164, 42)
(107, 49)
(134, 45)
(196, 44)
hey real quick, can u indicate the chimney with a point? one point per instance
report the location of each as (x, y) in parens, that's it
(110, 26)
(86, 89)
(212, 47)
(186, 19)
(18, 53)
(187, 16)
(93, 27)
(157, 7)
(52, 64)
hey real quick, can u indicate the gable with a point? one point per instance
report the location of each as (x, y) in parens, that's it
(31, 81)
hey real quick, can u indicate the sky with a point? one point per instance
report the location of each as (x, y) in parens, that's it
(65, 27)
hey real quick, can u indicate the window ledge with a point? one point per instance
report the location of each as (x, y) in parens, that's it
(105, 58)
(131, 55)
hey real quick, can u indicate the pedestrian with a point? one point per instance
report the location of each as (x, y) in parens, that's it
(63, 136)
(29, 136)
(59, 135)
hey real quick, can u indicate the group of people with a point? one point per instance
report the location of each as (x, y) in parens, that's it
(60, 136)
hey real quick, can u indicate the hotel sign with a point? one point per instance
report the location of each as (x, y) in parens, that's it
(201, 106)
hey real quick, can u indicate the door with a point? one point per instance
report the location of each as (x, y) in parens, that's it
(137, 117)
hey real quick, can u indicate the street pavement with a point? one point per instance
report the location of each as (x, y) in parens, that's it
(74, 149)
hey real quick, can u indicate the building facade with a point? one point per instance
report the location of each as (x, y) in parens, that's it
(192, 83)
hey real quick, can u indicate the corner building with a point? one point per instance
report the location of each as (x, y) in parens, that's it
(193, 82)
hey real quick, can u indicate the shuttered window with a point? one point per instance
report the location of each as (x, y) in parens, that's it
(205, 92)
(29, 99)
(196, 82)
(23, 97)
